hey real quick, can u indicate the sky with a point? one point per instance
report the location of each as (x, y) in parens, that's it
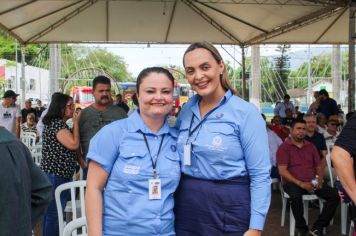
(140, 56)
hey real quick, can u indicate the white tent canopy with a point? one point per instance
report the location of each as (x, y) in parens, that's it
(242, 22)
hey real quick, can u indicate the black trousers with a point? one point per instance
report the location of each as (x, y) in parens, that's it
(326, 192)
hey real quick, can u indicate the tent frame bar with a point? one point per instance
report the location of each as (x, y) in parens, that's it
(296, 24)
(234, 17)
(62, 20)
(43, 16)
(17, 7)
(212, 22)
(170, 20)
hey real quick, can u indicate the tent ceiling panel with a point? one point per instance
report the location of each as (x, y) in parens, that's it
(174, 21)
(308, 33)
(188, 27)
(90, 25)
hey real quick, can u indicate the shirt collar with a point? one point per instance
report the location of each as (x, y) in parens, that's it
(289, 141)
(195, 108)
(136, 124)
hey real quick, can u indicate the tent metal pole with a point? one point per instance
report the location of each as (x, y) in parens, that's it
(23, 74)
(243, 77)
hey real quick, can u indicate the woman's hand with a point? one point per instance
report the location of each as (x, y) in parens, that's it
(253, 232)
(76, 117)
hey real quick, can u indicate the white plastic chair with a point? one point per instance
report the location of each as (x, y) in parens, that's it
(275, 183)
(28, 138)
(351, 230)
(306, 199)
(74, 225)
(343, 206)
(36, 152)
(78, 205)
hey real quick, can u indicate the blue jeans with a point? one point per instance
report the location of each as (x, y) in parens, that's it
(50, 221)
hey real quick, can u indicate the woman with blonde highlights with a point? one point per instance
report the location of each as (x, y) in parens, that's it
(225, 186)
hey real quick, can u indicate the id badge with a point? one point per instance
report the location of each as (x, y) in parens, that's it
(187, 154)
(154, 189)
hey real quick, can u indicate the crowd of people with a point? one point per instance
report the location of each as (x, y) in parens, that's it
(209, 174)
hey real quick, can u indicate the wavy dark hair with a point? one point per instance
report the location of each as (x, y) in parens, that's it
(145, 72)
(57, 108)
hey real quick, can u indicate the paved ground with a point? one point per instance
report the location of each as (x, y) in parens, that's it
(273, 224)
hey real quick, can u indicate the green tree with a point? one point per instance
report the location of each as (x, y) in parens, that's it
(282, 65)
(8, 50)
(75, 58)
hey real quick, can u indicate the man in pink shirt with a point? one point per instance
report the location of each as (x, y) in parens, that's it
(298, 164)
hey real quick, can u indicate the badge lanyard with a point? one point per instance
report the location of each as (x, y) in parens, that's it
(188, 146)
(200, 123)
(154, 163)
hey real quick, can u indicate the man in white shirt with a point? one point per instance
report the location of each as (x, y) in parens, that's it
(10, 113)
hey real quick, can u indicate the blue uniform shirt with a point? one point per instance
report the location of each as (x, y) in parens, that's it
(121, 150)
(231, 142)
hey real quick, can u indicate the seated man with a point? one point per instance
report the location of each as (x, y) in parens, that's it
(298, 164)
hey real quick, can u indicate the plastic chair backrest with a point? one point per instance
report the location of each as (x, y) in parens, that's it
(36, 152)
(74, 203)
(28, 138)
(75, 224)
(328, 164)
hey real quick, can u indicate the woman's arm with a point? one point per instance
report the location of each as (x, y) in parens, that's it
(68, 139)
(96, 181)
(343, 164)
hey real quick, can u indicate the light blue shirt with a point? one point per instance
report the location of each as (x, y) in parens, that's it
(231, 142)
(121, 150)
(280, 109)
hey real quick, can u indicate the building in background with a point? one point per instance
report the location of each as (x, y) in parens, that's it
(36, 84)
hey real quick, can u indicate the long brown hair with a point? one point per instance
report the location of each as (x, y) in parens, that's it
(224, 78)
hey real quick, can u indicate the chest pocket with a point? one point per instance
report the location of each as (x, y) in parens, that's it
(169, 164)
(134, 163)
(183, 132)
(220, 128)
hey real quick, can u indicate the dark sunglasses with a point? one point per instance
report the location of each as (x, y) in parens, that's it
(334, 124)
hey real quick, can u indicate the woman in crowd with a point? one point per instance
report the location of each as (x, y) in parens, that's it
(225, 186)
(281, 130)
(134, 167)
(58, 153)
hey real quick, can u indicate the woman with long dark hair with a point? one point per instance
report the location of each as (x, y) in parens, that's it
(58, 153)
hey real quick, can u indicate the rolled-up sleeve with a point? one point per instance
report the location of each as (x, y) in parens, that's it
(104, 147)
(255, 145)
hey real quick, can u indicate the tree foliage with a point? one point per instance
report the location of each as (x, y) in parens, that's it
(74, 58)
(8, 50)
(282, 64)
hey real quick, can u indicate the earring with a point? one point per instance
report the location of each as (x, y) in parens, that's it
(221, 76)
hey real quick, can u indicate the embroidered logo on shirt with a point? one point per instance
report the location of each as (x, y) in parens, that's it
(173, 148)
(217, 141)
(216, 144)
(219, 115)
(132, 170)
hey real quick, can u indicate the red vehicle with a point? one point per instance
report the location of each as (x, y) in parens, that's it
(82, 96)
